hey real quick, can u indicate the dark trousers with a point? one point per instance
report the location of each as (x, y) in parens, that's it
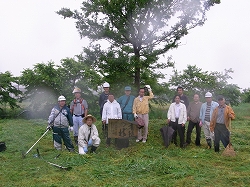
(220, 133)
(58, 135)
(181, 131)
(191, 126)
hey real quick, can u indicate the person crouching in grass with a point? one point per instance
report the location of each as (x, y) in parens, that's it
(88, 136)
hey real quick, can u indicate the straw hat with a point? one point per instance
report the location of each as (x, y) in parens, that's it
(89, 116)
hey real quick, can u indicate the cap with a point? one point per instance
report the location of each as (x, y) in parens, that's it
(77, 90)
(220, 97)
(61, 98)
(106, 85)
(89, 116)
(127, 88)
(208, 94)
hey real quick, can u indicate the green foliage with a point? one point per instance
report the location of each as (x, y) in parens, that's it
(194, 80)
(45, 82)
(136, 30)
(9, 94)
(246, 95)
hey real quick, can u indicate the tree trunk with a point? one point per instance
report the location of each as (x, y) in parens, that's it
(137, 69)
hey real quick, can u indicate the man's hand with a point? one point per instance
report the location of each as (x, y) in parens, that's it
(148, 87)
(90, 142)
(71, 129)
(168, 121)
(104, 122)
(49, 127)
(200, 124)
(182, 124)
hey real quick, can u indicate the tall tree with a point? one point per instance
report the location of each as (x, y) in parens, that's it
(146, 28)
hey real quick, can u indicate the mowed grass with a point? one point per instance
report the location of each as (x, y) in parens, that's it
(149, 164)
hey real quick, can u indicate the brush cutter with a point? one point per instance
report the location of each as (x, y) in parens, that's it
(24, 154)
(53, 164)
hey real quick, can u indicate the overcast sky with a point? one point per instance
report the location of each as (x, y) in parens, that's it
(31, 32)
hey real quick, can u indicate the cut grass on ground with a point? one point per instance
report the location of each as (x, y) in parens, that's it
(149, 164)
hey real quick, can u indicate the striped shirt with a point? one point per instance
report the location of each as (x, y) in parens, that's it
(207, 113)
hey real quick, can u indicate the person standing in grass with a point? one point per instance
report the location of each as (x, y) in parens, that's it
(193, 114)
(126, 102)
(141, 109)
(79, 109)
(104, 96)
(220, 123)
(88, 135)
(59, 120)
(206, 112)
(177, 117)
(111, 110)
(183, 98)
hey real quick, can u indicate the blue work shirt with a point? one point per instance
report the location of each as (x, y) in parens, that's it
(129, 107)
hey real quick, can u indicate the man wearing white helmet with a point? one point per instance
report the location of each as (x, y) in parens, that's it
(59, 120)
(79, 109)
(104, 96)
(206, 112)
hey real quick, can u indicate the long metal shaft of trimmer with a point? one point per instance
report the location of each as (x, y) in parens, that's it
(36, 142)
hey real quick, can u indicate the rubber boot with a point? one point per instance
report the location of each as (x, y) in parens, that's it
(93, 149)
(209, 143)
(76, 140)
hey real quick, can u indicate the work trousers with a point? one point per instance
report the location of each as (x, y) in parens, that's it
(207, 132)
(143, 132)
(191, 126)
(181, 131)
(58, 135)
(77, 121)
(221, 133)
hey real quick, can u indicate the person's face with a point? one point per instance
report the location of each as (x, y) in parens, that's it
(77, 95)
(62, 103)
(221, 102)
(141, 92)
(89, 121)
(180, 91)
(111, 98)
(127, 92)
(196, 98)
(106, 89)
(177, 99)
(208, 99)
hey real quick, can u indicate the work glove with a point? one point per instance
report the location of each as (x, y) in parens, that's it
(148, 87)
(90, 142)
(49, 127)
(85, 149)
(71, 129)
(135, 115)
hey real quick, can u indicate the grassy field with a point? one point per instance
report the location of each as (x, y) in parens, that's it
(149, 164)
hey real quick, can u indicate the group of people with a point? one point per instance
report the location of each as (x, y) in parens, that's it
(215, 118)
(76, 118)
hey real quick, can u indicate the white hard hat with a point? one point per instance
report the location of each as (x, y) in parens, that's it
(61, 98)
(208, 94)
(77, 90)
(106, 85)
